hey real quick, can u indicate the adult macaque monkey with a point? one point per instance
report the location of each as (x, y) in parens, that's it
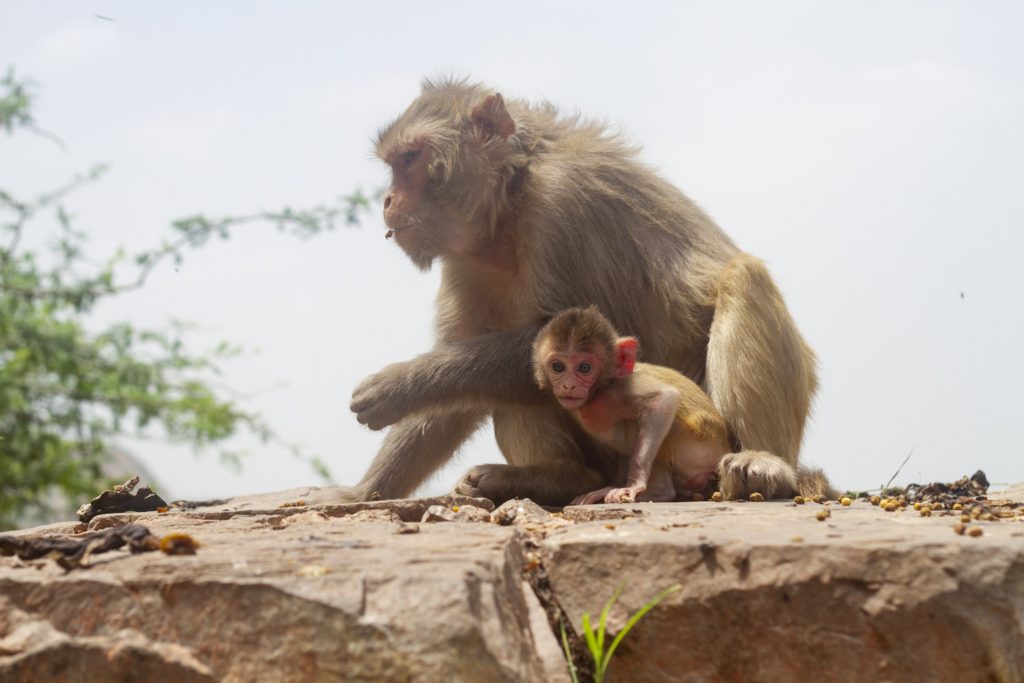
(667, 427)
(531, 213)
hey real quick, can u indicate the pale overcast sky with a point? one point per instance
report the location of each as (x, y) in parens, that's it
(871, 153)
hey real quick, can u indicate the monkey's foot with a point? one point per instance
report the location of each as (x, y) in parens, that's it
(494, 482)
(593, 497)
(746, 472)
(624, 495)
(338, 495)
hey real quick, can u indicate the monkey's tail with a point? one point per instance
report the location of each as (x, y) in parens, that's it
(812, 482)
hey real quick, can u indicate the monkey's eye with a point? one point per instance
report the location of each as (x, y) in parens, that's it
(410, 156)
(583, 368)
(558, 366)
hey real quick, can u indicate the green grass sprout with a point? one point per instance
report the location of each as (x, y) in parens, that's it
(595, 638)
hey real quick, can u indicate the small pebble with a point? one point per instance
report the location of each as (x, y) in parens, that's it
(716, 496)
(178, 544)
(958, 506)
(975, 531)
(799, 500)
(822, 515)
(756, 497)
(959, 528)
(845, 501)
(875, 500)
(313, 570)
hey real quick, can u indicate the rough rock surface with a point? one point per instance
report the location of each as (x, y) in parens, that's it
(368, 592)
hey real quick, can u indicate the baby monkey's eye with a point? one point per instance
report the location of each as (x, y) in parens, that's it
(410, 156)
(558, 366)
(583, 368)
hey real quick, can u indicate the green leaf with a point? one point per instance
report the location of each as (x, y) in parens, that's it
(70, 384)
(568, 655)
(591, 638)
(637, 616)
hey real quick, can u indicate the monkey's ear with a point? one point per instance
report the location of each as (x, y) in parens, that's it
(492, 116)
(626, 349)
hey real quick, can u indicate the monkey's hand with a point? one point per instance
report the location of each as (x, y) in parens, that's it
(624, 495)
(384, 398)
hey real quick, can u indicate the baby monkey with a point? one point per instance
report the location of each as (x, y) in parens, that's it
(668, 427)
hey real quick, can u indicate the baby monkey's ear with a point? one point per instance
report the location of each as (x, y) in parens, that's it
(626, 349)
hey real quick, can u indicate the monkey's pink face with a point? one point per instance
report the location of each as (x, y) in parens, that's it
(411, 216)
(573, 377)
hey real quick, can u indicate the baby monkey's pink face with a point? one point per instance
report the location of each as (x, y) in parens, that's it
(573, 376)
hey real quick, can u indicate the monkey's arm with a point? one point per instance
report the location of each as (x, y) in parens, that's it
(478, 372)
(654, 420)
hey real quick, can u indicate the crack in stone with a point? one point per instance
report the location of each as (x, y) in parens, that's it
(536, 576)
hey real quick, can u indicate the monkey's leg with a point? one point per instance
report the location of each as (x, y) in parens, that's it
(660, 487)
(480, 372)
(761, 375)
(412, 451)
(547, 463)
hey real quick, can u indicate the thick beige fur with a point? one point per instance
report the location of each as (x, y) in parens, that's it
(531, 212)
